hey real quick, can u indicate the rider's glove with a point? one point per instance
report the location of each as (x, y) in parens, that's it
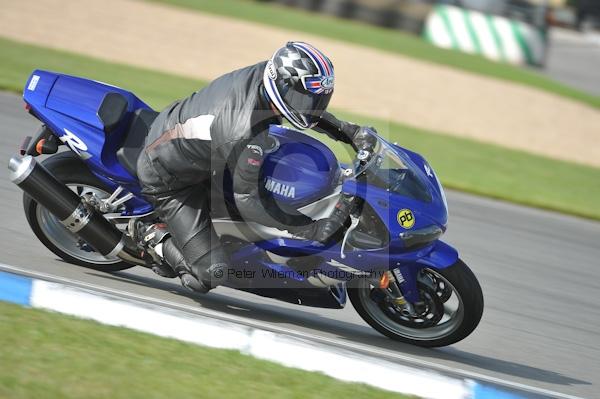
(322, 230)
(327, 229)
(363, 140)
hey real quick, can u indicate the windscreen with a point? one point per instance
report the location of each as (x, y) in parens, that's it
(393, 170)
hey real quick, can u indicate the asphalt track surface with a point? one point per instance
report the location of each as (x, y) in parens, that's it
(540, 274)
(573, 58)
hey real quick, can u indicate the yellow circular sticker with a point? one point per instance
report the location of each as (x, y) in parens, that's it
(406, 218)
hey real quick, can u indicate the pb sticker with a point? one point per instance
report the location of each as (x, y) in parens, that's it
(406, 218)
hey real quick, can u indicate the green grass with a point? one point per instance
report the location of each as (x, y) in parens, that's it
(157, 89)
(461, 164)
(48, 355)
(385, 39)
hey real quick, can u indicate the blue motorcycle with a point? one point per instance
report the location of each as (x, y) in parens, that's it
(85, 205)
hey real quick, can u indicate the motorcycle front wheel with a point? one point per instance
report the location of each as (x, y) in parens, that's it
(450, 309)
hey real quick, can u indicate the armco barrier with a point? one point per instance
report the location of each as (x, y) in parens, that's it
(494, 37)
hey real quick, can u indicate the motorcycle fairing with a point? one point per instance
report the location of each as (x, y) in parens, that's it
(70, 106)
(351, 263)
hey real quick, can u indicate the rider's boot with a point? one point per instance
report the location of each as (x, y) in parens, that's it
(206, 270)
(211, 268)
(175, 258)
(154, 237)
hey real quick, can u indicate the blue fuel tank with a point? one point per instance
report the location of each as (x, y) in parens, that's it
(300, 169)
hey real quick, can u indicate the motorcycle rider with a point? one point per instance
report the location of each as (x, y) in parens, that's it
(224, 127)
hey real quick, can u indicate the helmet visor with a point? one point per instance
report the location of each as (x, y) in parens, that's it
(307, 106)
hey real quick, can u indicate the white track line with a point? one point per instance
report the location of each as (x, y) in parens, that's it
(363, 348)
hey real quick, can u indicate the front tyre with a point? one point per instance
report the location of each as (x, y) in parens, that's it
(70, 170)
(452, 306)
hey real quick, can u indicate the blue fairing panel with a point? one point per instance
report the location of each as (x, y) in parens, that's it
(441, 256)
(78, 99)
(69, 106)
(38, 87)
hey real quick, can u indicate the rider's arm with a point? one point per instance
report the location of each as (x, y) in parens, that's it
(346, 132)
(336, 129)
(248, 158)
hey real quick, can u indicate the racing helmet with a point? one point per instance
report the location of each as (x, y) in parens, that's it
(299, 80)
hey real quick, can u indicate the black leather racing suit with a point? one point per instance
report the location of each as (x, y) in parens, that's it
(191, 145)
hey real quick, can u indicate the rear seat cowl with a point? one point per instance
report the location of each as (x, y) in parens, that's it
(112, 111)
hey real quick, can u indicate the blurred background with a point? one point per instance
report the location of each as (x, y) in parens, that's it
(566, 29)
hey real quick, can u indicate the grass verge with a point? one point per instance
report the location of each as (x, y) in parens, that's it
(385, 39)
(18, 60)
(48, 355)
(462, 164)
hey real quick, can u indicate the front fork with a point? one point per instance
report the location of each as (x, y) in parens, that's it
(400, 283)
(405, 278)
(406, 275)
(399, 287)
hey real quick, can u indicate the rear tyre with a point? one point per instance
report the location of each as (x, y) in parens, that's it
(69, 169)
(448, 316)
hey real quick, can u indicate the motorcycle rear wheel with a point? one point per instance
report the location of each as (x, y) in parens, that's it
(462, 310)
(69, 169)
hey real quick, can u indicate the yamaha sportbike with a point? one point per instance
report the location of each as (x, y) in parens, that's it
(85, 205)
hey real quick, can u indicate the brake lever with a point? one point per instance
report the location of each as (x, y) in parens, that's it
(353, 223)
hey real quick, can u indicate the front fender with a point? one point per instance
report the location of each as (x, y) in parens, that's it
(441, 256)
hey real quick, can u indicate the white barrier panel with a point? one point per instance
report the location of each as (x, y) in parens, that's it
(496, 38)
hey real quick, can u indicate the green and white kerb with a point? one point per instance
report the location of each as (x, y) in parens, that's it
(496, 38)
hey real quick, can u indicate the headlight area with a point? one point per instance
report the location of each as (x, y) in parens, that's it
(419, 238)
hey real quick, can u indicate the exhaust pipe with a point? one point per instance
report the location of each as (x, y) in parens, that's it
(44, 187)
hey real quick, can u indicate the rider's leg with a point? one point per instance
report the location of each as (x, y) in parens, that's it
(186, 213)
